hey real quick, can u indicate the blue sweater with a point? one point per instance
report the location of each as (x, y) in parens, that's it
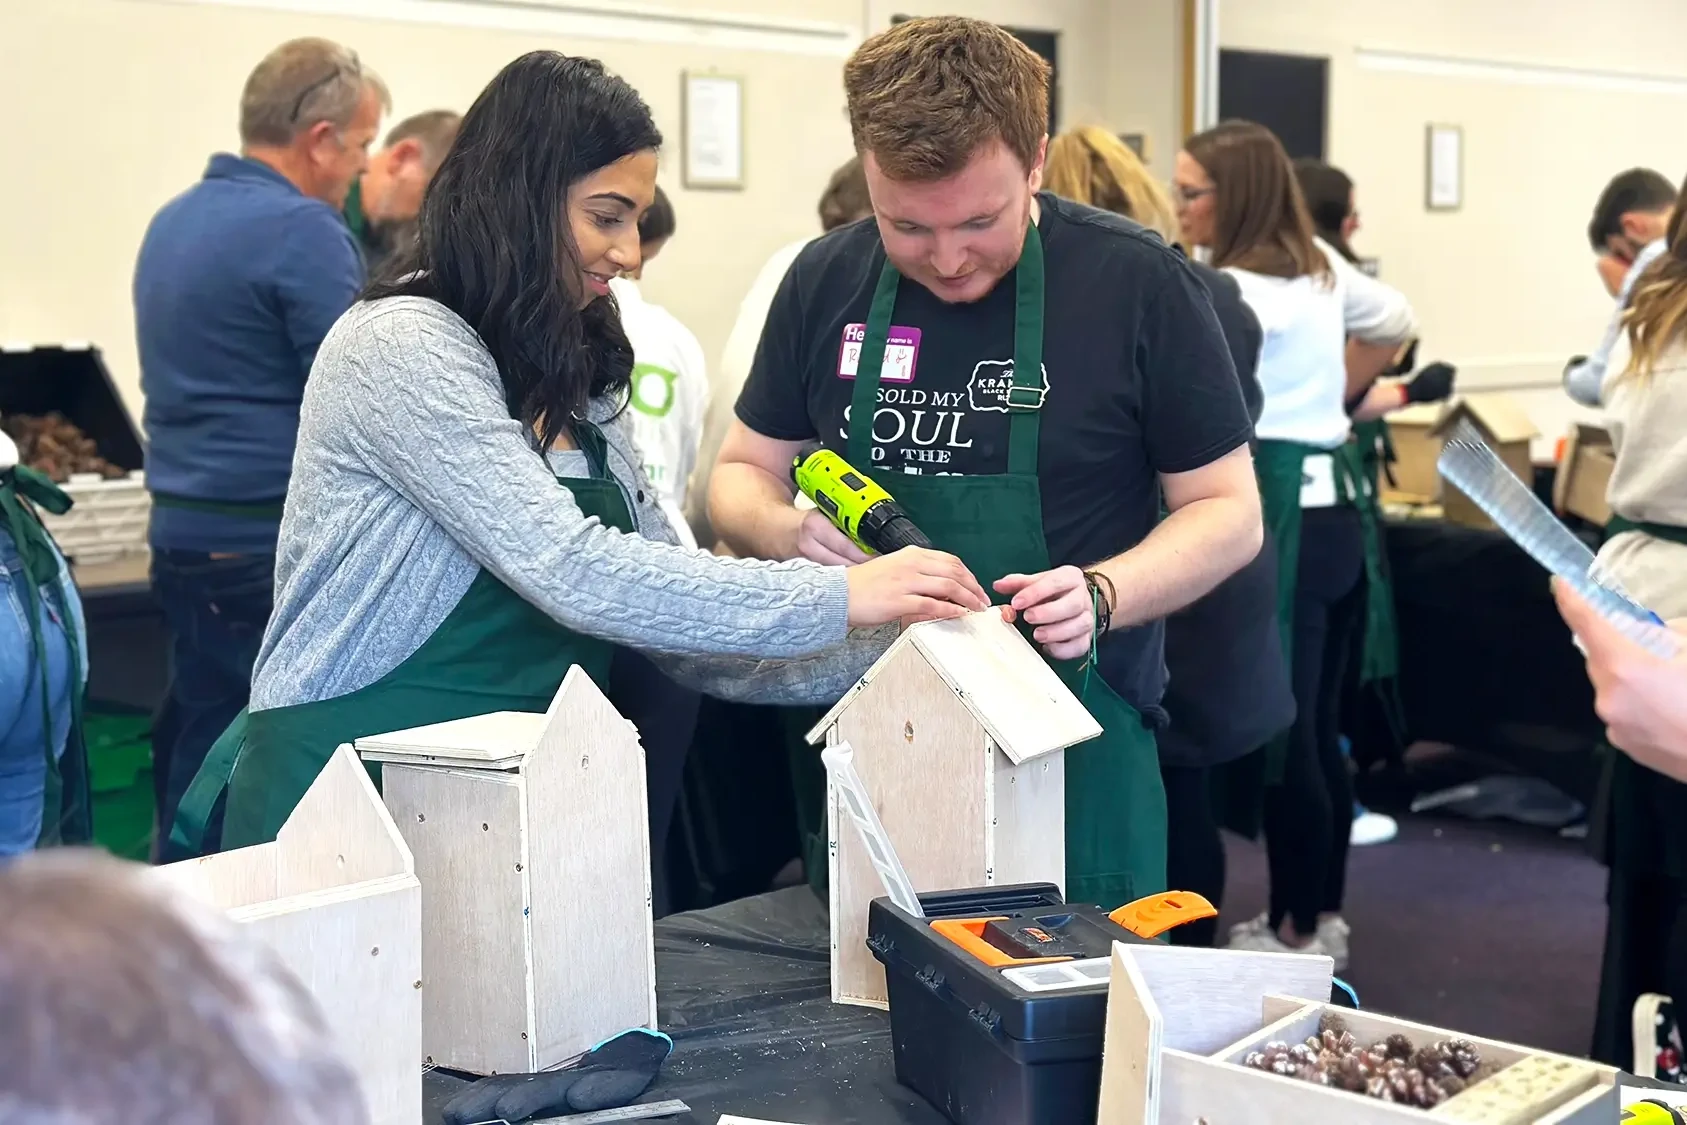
(238, 280)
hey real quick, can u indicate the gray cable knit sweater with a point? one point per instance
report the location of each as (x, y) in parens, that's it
(411, 477)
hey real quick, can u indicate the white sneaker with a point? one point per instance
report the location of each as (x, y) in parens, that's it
(1264, 941)
(1372, 828)
(1332, 935)
(1257, 924)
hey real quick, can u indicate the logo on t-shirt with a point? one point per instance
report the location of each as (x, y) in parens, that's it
(991, 379)
(902, 353)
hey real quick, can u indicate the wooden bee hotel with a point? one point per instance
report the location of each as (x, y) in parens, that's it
(958, 732)
(1168, 1058)
(531, 836)
(336, 896)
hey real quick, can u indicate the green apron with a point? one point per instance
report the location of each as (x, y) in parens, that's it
(1240, 786)
(494, 651)
(67, 813)
(1115, 804)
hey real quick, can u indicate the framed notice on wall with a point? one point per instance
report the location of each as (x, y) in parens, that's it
(1444, 181)
(712, 131)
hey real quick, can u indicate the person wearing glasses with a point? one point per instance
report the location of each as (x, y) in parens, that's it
(237, 282)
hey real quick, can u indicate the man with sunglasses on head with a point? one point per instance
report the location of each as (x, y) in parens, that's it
(237, 281)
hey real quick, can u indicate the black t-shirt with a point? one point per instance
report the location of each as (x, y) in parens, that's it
(1139, 382)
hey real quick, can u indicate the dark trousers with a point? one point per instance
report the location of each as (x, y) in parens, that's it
(1194, 851)
(1309, 816)
(216, 610)
(665, 714)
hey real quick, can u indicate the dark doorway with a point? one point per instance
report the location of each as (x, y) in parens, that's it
(1288, 94)
(1046, 44)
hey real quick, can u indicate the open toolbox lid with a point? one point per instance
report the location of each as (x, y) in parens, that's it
(73, 380)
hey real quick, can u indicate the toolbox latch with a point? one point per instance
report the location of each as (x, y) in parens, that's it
(986, 1018)
(931, 977)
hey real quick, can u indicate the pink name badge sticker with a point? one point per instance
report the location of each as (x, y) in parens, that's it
(902, 353)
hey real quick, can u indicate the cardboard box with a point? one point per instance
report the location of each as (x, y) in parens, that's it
(1411, 477)
(1584, 474)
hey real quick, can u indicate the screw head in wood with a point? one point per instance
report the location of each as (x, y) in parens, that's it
(908, 731)
(420, 817)
(376, 952)
(486, 828)
(418, 986)
(518, 867)
(585, 761)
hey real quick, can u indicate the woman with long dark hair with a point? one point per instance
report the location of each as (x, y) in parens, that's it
(1238, 197)
(467, 517)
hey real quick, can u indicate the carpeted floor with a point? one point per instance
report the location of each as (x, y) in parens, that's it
(1487, 928)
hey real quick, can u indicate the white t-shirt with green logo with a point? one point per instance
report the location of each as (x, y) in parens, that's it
(669, 397)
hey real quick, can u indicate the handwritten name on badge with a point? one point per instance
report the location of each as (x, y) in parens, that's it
(902, 353)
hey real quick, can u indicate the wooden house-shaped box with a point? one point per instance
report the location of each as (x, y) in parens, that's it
(336, 896)
(531, 838)
(1181, 1022)
(1507, 428)
(958, 732)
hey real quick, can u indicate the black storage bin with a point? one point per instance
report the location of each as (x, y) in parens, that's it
(74, 382)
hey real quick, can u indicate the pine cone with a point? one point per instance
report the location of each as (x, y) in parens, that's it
(1379, 1088)
(1284, 1065)
(1339, 1041)
(1349, 1074)
(1255, 1059)
(1462, 1056)
(1398, 1046)
(1450, 1087)
(1333, 1022)
(1314, 1074)
(1302, 1054)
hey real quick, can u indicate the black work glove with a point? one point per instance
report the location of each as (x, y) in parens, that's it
(608, 1076)
(1432, 384)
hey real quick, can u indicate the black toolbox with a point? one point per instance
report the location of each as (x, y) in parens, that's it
(998, 999)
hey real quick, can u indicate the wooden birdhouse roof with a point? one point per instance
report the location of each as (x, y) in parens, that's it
(500, 740)
(1002, 681)
(1498, 416)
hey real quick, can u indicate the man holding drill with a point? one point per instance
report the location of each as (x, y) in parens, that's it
(1027, 378)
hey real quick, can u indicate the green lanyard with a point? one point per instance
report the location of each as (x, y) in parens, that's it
(40, 566)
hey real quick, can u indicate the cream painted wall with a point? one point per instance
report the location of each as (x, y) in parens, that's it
(114, 106)
(1504, 286)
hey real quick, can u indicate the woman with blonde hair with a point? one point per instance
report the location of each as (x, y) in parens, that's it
(1644, 395)
(1093, 166)
(1228, 688)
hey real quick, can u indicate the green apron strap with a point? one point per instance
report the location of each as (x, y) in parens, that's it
(1616, 525)
(864, 400)
(193, 813)
(41, 566)
(1025, 398)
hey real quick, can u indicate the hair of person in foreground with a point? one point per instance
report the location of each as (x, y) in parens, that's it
(1093, 166)
(1657, 310)
(121, 1003)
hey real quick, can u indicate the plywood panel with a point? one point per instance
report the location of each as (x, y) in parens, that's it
(465, 830)
(1194, 1088)
(922, 757)
(1214, 997)
(1028, 803)
(589, 842)
(1013, 692)
(358, 951)
(225, 880)
(481, 740)
(339, 834)
(1131, 1048)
